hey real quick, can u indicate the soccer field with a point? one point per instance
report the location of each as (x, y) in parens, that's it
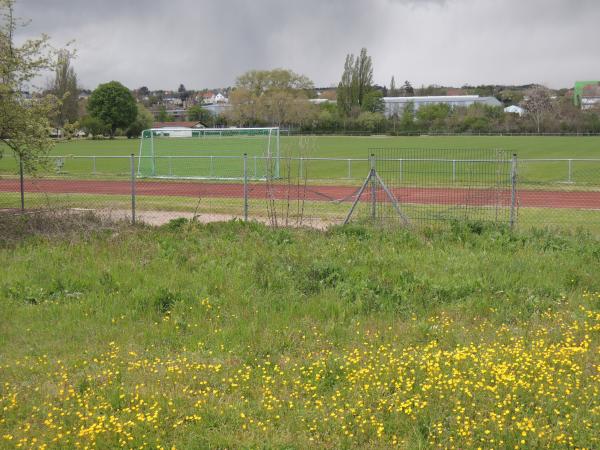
(342, 147)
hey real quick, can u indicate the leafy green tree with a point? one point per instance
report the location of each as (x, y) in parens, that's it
(200, 114)
(70, 129)
(346, 91)
(114, 105)
(356, 82)
(163, 115)
(24, 123)
(370, 121)
(143, 121)
(373, 101)
(407, 119)
(363, 72)
(433, 116)
(274, 97)
(94, 126)
(259, 82)
(64, 87)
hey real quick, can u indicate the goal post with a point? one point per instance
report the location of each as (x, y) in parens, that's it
(209, 153)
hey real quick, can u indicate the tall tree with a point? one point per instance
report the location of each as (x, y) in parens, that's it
(64, 87)
(142, 122)
(407, 89)
(537, 103)
(393, 92)
(114, 105)
(356, 82)
(364, 75)
(346, 95)
(274, 97)
(183, 92)
(200, 114)
(24, 122)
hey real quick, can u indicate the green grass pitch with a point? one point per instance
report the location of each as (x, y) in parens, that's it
(323, 147)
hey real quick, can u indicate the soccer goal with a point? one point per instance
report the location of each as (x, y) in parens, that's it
(209, 153)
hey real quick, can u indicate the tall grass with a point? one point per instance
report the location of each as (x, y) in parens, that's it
(235, 335)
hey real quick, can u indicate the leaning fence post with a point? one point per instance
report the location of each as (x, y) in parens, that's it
(132, 163)
(373, 187)
(22, 184)
(245, 187)
(513, 190)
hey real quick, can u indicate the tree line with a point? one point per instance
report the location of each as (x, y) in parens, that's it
(271, 98)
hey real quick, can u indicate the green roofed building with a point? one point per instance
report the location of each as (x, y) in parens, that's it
(580, 86)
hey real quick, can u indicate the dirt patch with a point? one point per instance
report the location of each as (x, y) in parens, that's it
(157, 218)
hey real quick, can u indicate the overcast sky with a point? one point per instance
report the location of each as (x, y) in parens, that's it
(207, 43)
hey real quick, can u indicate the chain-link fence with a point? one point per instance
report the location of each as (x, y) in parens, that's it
(418, 187)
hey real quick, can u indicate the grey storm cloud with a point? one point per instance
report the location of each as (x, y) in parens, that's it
(207, 43)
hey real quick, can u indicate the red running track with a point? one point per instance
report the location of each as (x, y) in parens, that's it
(433, 196)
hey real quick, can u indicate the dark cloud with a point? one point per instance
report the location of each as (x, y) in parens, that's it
(208, 43)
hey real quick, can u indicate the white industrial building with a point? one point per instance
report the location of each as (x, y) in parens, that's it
(395, 105)
(514, 109)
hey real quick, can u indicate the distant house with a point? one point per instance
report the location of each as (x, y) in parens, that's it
(590, 96)
(585, 93)
(514, 109)
(181, 124)
(207, 97)
(210, 98)
(395, 105)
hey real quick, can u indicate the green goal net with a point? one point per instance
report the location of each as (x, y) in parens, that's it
(209, 153)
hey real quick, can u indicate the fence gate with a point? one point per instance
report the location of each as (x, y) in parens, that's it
(413, 186)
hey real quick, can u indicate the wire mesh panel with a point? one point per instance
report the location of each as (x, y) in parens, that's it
(425, 186)
(409, 186)
(10, 199)
(560, 192)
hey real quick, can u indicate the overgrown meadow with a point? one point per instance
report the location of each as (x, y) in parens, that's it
(235, 335)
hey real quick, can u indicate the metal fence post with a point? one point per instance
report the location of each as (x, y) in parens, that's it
(570, 180)
(454, 170)
(349, 168)
(373, 187)
(22, 184)
(94, 165)
(513, 190)
(132, 163)
(245, 187)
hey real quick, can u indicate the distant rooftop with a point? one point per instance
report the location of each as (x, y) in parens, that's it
(394, 105)
(435, 98)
